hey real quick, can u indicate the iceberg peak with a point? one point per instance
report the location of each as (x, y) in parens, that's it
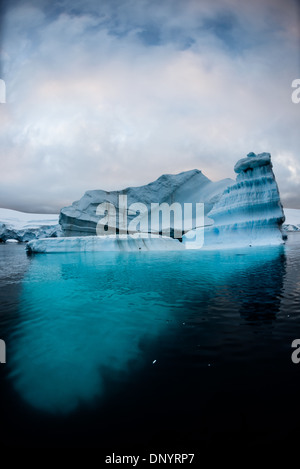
(249, 211)
(252, 161)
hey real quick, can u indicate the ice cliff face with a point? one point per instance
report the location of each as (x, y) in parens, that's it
(80, 219)
(249, 211)
(25, 227)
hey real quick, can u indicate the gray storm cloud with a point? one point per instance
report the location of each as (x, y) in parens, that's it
(111, 94)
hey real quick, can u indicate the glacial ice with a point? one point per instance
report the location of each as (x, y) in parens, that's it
(25, 227)
(249, 211)
(80, 219)
(134, 242)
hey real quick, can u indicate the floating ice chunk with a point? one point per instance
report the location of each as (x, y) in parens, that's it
(136, 242)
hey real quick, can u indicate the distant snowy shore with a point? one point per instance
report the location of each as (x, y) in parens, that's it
(292, 219)
(24, 227)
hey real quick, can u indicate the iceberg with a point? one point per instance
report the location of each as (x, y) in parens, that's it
(249, 212)
(135, 242)
(81, 218)
(25, 227)
(244, 212)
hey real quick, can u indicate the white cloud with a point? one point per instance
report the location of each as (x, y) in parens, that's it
(91, 104)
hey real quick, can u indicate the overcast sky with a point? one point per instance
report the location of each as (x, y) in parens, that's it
(104, 94)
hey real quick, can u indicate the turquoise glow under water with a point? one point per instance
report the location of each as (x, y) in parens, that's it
(83, 316)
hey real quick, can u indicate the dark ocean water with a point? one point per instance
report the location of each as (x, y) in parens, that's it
(170, 351)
